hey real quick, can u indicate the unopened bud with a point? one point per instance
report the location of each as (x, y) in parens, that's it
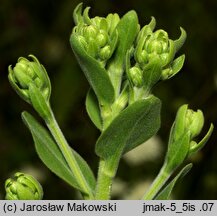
(23, 187)
(102, 39)
(136, 76)
(112, 20)
(194, 122)
(90, 31)
(26, 72)
(99, 38)
(105, 53)
(187, 125)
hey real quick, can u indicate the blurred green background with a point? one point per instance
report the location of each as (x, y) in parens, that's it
(43, 27)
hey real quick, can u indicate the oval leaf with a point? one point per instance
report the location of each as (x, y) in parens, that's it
(177, 65)
(95, 73)
(127, 30)
(177, 151)
(38, 101)
(52, 157)
(93, 110)
(133, 126)
(152, 72)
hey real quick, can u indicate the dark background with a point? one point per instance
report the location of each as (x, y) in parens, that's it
(43, 27)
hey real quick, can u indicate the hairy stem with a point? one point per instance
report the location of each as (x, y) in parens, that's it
(104, 182)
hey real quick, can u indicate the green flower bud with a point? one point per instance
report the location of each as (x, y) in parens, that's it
(112, 20)
(167, 73)
(153, 55)
(83, 42)
(187, 125)
(30, 80)
(157, 43)
(28, 72)
(136, 76)
(90, 32)
(154, 44)
(97, 33)
(150, 44)
(100, 23)
(102, 39)
(194, 122)
(23, 187)
(188, 120)
(105, 53)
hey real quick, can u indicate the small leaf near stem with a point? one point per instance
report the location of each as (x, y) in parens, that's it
(93, 109)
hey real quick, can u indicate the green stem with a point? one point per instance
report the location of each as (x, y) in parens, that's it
(138, 93)
(69, 156)
(104, 182)
(158, 183)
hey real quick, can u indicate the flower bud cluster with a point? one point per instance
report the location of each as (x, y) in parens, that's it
(96, 35)
(26, 73)
(153, 45)
(153, 48)
(23, 187)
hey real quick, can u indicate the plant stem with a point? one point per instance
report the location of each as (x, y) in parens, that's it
(158, 183)
(104, 182)
(68, 155)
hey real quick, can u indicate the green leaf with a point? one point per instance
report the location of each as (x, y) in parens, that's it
(173, 68)
(51, 155)
(198, 146)
(147, 125)
(179, 125)
(93, 110)
(166, 192)
(152, 73)
(39, 102)
(95, 73)
(127, 30)
(177, 151)
(177, 65)
(133, 126)
(181, 40)
(77, 14)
